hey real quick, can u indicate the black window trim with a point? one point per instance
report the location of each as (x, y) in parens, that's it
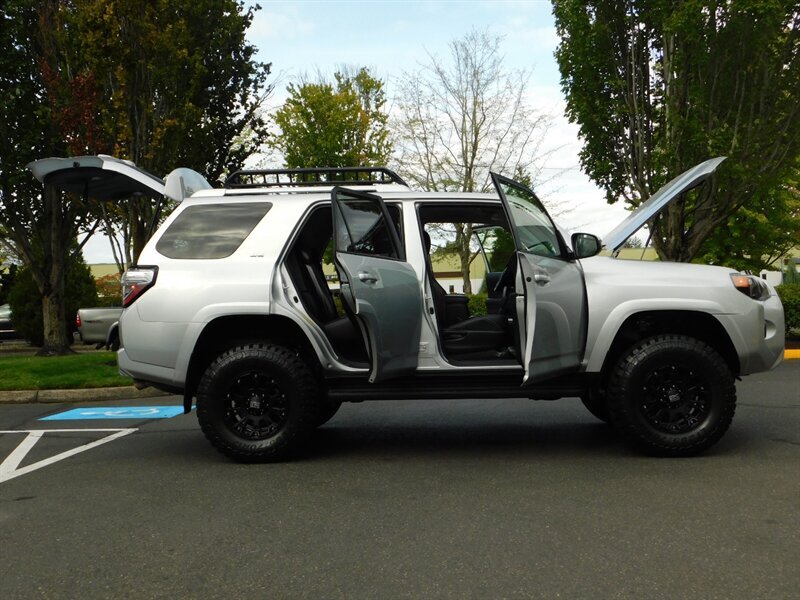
(394, 235)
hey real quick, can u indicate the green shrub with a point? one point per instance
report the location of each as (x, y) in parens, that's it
(109, 290)
(790, 297)
(477, 304)
(26, 301)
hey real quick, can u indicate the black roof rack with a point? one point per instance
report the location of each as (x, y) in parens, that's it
(313, 176)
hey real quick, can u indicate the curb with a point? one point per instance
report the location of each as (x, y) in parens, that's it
(791, 354)
(82, 395)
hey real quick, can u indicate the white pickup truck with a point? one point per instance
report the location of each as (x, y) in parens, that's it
(99, 326)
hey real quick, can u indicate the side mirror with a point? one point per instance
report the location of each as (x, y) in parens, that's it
(585, 245)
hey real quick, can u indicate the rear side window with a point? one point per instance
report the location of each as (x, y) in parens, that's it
(212, 231)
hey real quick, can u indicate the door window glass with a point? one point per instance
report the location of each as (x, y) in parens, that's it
(534, 230)
(364, 229)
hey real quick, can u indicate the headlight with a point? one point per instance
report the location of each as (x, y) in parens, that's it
(751, 286)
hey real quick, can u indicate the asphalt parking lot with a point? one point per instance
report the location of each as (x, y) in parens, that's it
(461, 499)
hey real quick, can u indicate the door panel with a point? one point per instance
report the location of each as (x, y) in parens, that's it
(551, 295)
(379, 287)
(560, 316)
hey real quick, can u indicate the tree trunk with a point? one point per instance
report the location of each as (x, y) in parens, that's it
(54, 318)
(463, 237)
(56, 341)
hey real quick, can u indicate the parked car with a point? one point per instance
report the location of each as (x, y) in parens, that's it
(6, 327)
(98, 326)
(229, 304)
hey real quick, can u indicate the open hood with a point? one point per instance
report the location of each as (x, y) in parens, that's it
(615, 238)
(101, 177)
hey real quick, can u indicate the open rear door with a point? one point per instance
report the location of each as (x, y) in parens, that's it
(551, 293)
(379, 287)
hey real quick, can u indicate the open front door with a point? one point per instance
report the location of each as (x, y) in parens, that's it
(551, 294)
(379, 287)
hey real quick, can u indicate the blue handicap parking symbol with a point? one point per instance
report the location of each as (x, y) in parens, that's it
(116, 412)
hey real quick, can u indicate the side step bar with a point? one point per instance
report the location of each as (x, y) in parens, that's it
(438, 387)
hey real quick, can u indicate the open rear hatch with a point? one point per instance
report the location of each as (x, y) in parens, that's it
(100, 177)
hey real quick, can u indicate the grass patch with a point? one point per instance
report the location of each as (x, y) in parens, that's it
(86, 370)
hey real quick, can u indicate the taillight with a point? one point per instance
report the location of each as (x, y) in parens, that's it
(137, 281)
(77, 319)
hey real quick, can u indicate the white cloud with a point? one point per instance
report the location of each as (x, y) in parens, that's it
(280, 23)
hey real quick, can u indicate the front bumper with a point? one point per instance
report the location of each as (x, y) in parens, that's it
(762, 344)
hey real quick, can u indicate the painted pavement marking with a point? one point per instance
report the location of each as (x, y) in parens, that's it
(116, 412)
(9, 467)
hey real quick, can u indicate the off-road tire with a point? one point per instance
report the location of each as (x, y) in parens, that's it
(671, 395)
(255, 402)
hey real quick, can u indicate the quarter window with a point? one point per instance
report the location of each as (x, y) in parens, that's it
(212, 231)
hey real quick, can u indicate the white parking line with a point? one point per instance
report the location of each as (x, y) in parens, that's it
(9, 470)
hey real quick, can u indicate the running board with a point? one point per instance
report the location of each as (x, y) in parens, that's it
(457, 386)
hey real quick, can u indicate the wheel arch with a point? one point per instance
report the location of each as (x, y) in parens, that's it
(696, 324)
(229, 331)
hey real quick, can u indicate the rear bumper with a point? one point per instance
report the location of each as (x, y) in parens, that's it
(154, 375)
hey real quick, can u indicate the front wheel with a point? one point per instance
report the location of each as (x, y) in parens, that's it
(672, 395)
(255, 402)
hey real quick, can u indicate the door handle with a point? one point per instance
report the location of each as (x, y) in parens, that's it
(367, 277)
(541, 278)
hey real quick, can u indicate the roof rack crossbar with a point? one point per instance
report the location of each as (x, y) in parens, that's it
(314, 176)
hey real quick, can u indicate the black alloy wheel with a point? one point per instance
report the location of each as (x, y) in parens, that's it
(675, 399)
(256, 408)
(255, 402)
(671, 395)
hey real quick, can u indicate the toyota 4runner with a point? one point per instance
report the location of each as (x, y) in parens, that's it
(232, 302)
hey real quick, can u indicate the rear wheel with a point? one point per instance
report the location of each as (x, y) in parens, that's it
(255, 402)
(672, 395)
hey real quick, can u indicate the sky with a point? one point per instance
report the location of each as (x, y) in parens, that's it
(390, 37)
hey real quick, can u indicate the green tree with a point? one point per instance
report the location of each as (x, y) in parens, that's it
(658, 86)
(39, 74)
(163, 83)
(334, 124)
(756, 238)
(183, 90)
(79, 291)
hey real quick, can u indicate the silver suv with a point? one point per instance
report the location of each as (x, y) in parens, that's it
(233, 303)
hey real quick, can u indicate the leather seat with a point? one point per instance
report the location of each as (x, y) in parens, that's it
(305, 267)
(470, 335)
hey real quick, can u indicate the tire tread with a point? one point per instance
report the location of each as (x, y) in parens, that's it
(306, 391)
(621, 408)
